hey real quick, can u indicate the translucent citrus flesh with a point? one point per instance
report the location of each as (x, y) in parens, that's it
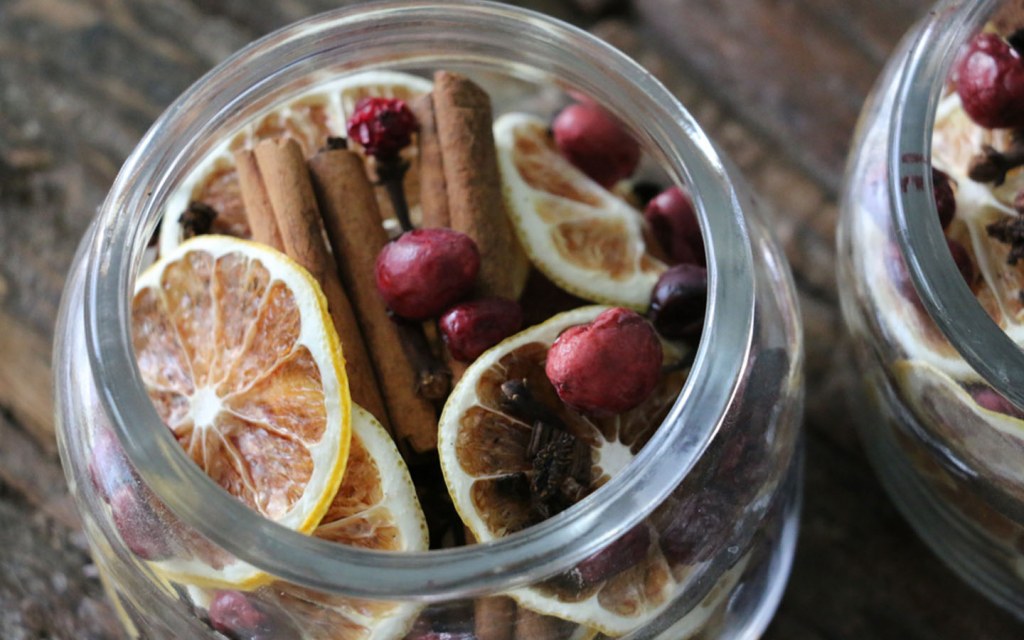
(584, 238)
(317, 113)
(240, 358)
(483, 453)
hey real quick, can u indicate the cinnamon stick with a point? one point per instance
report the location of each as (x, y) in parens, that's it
(349, 209)
(475, 202)
(258, 210)
(433, 193)
(494, 617)
(531, 626)
(283, 174)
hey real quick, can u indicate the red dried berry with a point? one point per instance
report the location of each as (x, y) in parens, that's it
(628, 551)
(141, 529)
(238, 616)
(962, 260)
(674, 223)
(993, 401)
(679, 300)
(945, 200)
(425, 271)
(608, 366)
(989, 79)
(108, 466)
(473, 327)
(596, 143)
(382, 126)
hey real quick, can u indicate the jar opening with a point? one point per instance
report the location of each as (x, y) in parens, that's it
(946, 297)
(403, 35)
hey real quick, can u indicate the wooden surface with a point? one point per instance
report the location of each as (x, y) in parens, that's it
(777, 82)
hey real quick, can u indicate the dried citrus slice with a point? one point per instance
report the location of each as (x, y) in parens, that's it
(311, 117)
(488, 468)
(239, 355)
(584, 238)
(952, 409)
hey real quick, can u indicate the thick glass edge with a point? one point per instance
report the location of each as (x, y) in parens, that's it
(946, 297)
(540, 551)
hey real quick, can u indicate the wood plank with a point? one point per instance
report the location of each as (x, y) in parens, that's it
(25, 380)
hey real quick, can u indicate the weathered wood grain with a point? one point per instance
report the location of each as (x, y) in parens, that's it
(777, 83)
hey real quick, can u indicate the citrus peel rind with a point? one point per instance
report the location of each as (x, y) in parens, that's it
(238, 352)
(584, 238)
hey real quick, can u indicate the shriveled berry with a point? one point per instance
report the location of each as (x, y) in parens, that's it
(674, 223)
(241, 617)
(608, 366)
(108, 466)
(470, 328)
(945, 200)
(425, 271)
(989, 79)
(679, 300)
(592, 140)
(626, 552)
(142, 530)
(962, 260)
(383, 126)
(992, 400)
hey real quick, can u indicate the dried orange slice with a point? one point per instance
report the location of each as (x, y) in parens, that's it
(310, 118)
(488, 468)
(584, 238)
(239, 355)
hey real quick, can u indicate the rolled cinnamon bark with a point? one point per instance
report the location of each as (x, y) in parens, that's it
(433, 193)
(476, 206)
(282, 169)
(258, 211)
(531, 626)
(349, 209)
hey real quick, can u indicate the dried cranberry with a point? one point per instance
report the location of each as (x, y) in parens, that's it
(993, 401)
(473, 327)
(962, 260)
(679, 300)
(240, 617)
(608, 366)
(383, 126)
(989, 78)
(627, 551)
(108, 466)
(592, 140)
(425, 271)
(697, 528)
(674, 223)
(945, 200)
(142, 530)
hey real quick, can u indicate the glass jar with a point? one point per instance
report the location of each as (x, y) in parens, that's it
(718, 484)
(941, 375)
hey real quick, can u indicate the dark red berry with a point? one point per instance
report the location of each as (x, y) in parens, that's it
(591, 139)
(679, 300)
(674, 223)
(626, 552)
(989, 78)
(608, 366)
(241, 617)
(473, 327)
(108, 467)
(382, 126)
(962, 260)
(993, 401)
(697, 527)
(425, 271)
(142, 530)
(945, 200)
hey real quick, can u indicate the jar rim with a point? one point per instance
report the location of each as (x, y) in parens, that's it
(129, 215)
(955, 310)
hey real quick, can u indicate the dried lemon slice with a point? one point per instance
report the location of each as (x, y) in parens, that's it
(238, 353)
(488, 468)
(316, 114)
(584, 238)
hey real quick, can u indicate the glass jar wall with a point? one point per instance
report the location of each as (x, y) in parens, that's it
(713, 495)
(932, 307)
